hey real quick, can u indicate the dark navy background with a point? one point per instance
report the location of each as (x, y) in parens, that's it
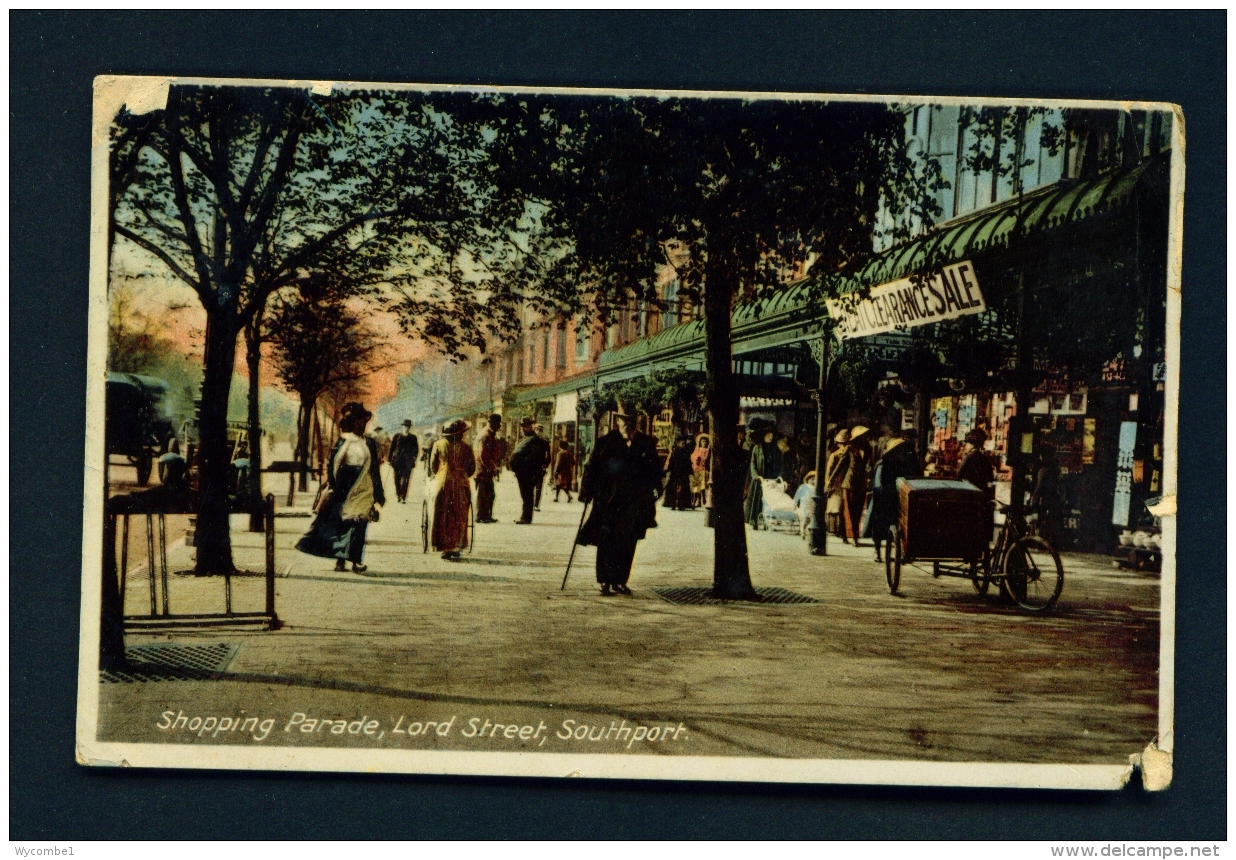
(54, 57)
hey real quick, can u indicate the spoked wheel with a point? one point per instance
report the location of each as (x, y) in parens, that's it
(892, 560)
(980, 577)
(425, 526)
(1033, 574)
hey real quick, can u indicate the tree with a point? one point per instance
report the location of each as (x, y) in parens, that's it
(240, 191)
(748, 192)
(320, 344)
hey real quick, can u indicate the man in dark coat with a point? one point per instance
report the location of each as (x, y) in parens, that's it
(404, 450)
(529, 462)
(623, 481)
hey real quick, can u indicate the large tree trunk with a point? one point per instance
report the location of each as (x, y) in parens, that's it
(214, 539)
(731, 574)
(304, 423)
(253, 357)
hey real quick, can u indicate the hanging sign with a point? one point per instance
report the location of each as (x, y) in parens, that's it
(909, 302)
(1124, 474)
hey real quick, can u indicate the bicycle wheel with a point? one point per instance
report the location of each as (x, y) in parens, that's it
(1033, 574)
(424, 526)
(980, 577)
(892, 560)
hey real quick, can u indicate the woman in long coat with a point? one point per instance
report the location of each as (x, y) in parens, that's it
(765, 464)
(354, 488)
(564, 471)
(452, 463)
(899, 461)
(622, 480)
(854, 484)
(835, 470)
(678, 472)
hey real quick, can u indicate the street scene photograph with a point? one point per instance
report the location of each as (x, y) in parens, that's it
(640, 434)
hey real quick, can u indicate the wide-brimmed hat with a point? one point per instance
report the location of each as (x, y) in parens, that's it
(354, 411)
(455, 427)
(893, 443)
(623, 409)
(859, 430)
(407, 422)
(843, 436)
(810, 476)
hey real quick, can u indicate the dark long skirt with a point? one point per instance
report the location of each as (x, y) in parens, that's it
(678, 491)
(331, 536)
(614, 558)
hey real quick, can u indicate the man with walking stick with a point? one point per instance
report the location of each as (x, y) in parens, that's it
(623, 482)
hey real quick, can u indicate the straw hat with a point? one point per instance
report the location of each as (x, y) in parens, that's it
(859, 430)
(842, 437)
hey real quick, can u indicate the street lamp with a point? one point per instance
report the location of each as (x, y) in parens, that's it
(817, 540)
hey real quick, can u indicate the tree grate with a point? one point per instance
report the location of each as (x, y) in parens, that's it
(702, 596)
(171, 662)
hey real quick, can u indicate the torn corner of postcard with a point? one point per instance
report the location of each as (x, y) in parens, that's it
(639, 434)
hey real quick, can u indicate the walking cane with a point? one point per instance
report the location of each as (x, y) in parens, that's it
(583, 514)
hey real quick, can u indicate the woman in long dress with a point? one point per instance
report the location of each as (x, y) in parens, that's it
(898, 461)
(354, 490)
(678, 473)
(452, 463)
(765, 464)
(835, 470)
(699, 469)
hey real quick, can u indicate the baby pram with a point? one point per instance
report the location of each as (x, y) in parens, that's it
(777, 509)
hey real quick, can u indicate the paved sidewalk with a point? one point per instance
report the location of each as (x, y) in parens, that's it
(935, 673)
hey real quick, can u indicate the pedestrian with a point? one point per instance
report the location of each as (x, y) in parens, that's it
(539, 486)
(491, 454)
(976, 468)
(854, 484)
(404, 450)
(528, 463)
(899, 461)
(383, 439)
(804, 504)
(765, 463)
(451, 464)
(352, 496)
(564, 471)
(835, 470)
(1046, 499)
(678, 470)
(789, 463)
(623, 481)
(699, 469)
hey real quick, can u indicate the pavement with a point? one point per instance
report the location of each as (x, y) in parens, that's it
(492, 650)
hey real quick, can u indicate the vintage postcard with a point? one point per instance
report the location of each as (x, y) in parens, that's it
(639, 434)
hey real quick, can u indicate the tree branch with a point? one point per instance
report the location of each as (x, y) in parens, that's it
(138, 239)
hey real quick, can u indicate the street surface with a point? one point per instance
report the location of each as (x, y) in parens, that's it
(490, 648)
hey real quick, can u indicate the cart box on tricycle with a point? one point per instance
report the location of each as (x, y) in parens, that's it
(943, 519)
